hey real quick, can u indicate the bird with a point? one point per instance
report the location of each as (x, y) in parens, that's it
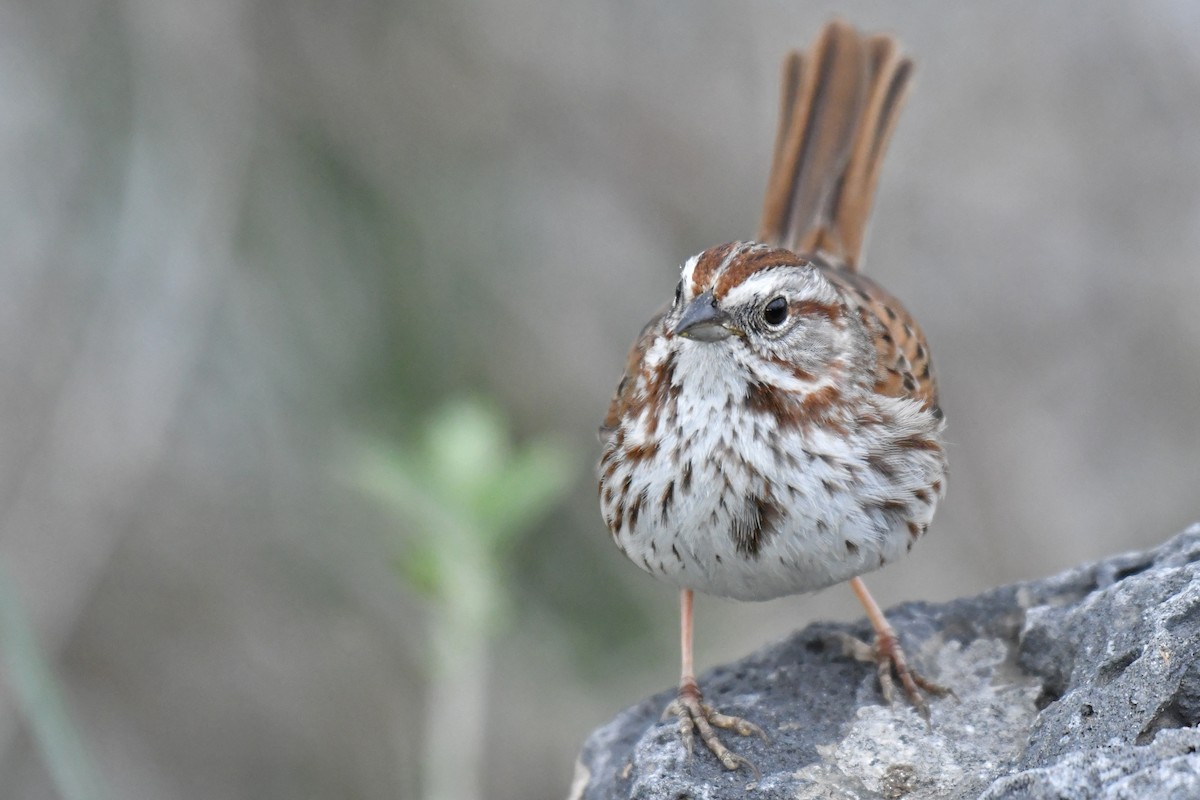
(777, 428)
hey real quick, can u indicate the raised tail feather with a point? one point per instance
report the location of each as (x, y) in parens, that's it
(839, 104)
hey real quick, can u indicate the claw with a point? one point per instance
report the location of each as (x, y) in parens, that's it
(891, 664)
(696, 717)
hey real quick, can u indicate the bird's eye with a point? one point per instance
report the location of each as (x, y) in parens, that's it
(678, 292)
(775, 312)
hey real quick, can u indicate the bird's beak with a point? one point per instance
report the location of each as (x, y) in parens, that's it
(704, 322)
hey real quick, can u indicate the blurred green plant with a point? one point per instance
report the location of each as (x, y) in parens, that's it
(465, 494)
(40, 698)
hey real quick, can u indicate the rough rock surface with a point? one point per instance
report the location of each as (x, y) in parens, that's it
(1083, 685)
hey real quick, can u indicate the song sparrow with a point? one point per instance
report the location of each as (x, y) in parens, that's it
(777, 428)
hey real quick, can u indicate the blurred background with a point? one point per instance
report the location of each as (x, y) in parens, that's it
(309, 312)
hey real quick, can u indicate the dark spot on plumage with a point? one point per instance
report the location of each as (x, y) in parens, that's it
(668, 497)
(921, 495)
(765, 399)
(608, 495)
(646, 561)
(636, 509)
(829, 487)
(653, 547)
(756, 526)
(868, 419)
(675, 551)
(920, 350)
(925, 371)
(658, 391)
(617, 521)
(879, 463)
(914, 532)
(917, 443)
(851, 548)
(642, 451)
(937, 486)
(866, 298)
(937, 412)
(687, 477)
(909, 383)
(892, 507)
(891, 314)
(885, 336)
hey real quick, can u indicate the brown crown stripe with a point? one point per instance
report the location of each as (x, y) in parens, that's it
(753, 261)
(707, 265)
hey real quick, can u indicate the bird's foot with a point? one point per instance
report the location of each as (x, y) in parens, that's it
(697, 717)
(892, 665)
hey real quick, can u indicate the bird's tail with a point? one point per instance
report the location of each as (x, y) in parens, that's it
(839, 104)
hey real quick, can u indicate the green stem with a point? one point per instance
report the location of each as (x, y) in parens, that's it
(456, 714)
(38, 695)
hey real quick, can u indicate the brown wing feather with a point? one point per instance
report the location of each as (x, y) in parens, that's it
(623, 399)
(903, 367)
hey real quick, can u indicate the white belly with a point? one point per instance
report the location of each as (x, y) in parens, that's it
(725, 509)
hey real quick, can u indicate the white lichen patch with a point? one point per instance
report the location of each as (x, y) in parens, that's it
(891, 752)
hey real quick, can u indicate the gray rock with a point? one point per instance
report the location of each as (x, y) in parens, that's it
(1083, 685)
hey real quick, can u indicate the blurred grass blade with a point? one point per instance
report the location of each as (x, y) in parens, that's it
(37, 693)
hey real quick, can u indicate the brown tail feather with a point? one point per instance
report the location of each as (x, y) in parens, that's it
(839, 105)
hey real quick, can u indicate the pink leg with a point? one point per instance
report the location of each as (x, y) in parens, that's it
(693, 713)
(889, 656)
